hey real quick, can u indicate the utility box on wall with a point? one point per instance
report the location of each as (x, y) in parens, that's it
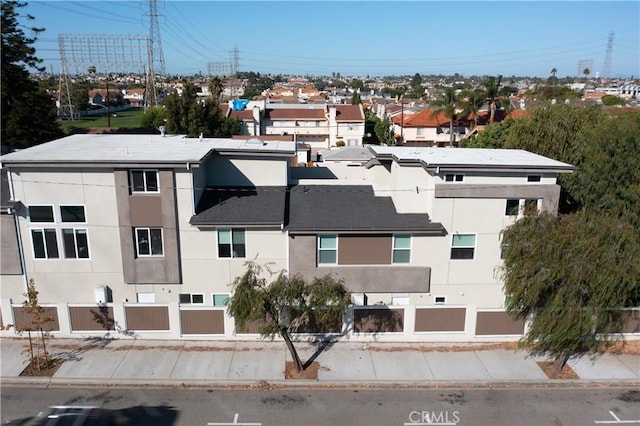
(103, 294)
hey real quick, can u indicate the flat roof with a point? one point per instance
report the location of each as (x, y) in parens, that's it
(468, 157)
(123, 148)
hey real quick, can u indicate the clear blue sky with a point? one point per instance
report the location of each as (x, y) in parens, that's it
(521, 38)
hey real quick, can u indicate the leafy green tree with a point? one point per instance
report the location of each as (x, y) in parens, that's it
(28, 113)
(38, 320)
(384, 130)
(611, 100)
(187, 114)
(288, 304)
(356, 84)
(153, 118)
(355, 98)
(607, 176)
(493, 136)
(416, 82)
(570, 276)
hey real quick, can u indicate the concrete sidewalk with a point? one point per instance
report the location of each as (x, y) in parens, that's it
(200, 363)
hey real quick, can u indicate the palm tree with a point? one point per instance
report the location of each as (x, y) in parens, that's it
(471, 103)
(492, 86)
(586, 73)
(215, 88)
(554, 71)
(449, 105)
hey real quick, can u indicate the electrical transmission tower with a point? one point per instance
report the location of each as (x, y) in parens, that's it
(155, 55)
(103, 54)
(585, 65)
(606, 68)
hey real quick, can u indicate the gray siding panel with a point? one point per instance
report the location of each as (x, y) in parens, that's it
(549, 194)
(147, 318)
(440, 319)
(368, 278)
(9, 250)
(364, 250)
(91, 318)
(378, 320)
(24, 320)
(146, 210)
(497, 323)
(202, 321)
(148, 270)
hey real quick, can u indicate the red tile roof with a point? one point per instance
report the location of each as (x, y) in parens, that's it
(424, 118)
(349, 113)
(245, 115)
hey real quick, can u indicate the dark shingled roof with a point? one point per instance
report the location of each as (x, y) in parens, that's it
(350, 208)
(241, 206)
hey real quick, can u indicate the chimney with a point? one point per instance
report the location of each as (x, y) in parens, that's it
(256, 120)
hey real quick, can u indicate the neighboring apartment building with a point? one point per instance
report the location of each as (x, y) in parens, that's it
(321, 126)
(144, 235)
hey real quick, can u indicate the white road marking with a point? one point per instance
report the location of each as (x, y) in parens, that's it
(617, 420)
(235, 423)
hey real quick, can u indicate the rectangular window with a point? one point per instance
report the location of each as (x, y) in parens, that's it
(188, 298)
(463, 246)
(231, 242)
(144, 180)
(327, 249)
(76, 244)
(145, 297)
(440, 300)
(401, 248)
(220, 300)
(513, 207)
(421, 131)
(534, 178)
(452, 177)
(45, 243)
(72, 214)
(41, 213)
(149, 241)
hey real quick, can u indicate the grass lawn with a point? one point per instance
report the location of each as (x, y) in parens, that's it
(129, 119)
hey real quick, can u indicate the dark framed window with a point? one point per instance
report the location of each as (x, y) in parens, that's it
(41, 214)
(191, 298)
(534, 178)
(450, 177)
(463, 246)
(513, 207)
(149, 241)
(75, 243)
(45, 243)
(144, 180)
(72, 214)
(231, 242)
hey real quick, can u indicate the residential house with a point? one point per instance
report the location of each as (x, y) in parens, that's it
(132, 235)
(428, 128)
(135, 97)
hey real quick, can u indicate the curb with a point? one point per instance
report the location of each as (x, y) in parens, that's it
(305, 384)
